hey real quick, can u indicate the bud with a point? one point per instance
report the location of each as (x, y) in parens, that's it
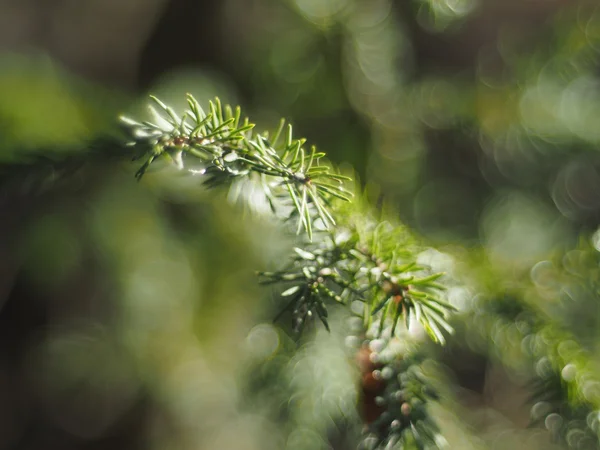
(405, 409)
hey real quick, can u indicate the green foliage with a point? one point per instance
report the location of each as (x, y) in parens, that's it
(400, 390)
(557, 358)
(490, 150)
(371, 262)
(364, 261)
(381, 274)
(227, 148)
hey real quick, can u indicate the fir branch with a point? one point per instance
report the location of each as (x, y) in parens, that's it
(394, 397)
(363, 260)
(228, 148)
(33, 170)
(344, 268)
(373, 264)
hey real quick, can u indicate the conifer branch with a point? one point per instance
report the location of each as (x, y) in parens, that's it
(364, 261)
(348, 258)
(342, 269)
(394, 397)
(371, 261)
(227, 148)
(37, 169)
(564, 379)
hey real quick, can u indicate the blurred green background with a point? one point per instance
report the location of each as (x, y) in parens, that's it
(130, 316)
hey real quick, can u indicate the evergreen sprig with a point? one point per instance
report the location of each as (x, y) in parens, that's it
(227, 148)
(314, 278)
(363, 261)
(394, 396)
(368, 264)
(371, 261)
(381, 274)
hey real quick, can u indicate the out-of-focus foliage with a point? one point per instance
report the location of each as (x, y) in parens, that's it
(131, 316)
